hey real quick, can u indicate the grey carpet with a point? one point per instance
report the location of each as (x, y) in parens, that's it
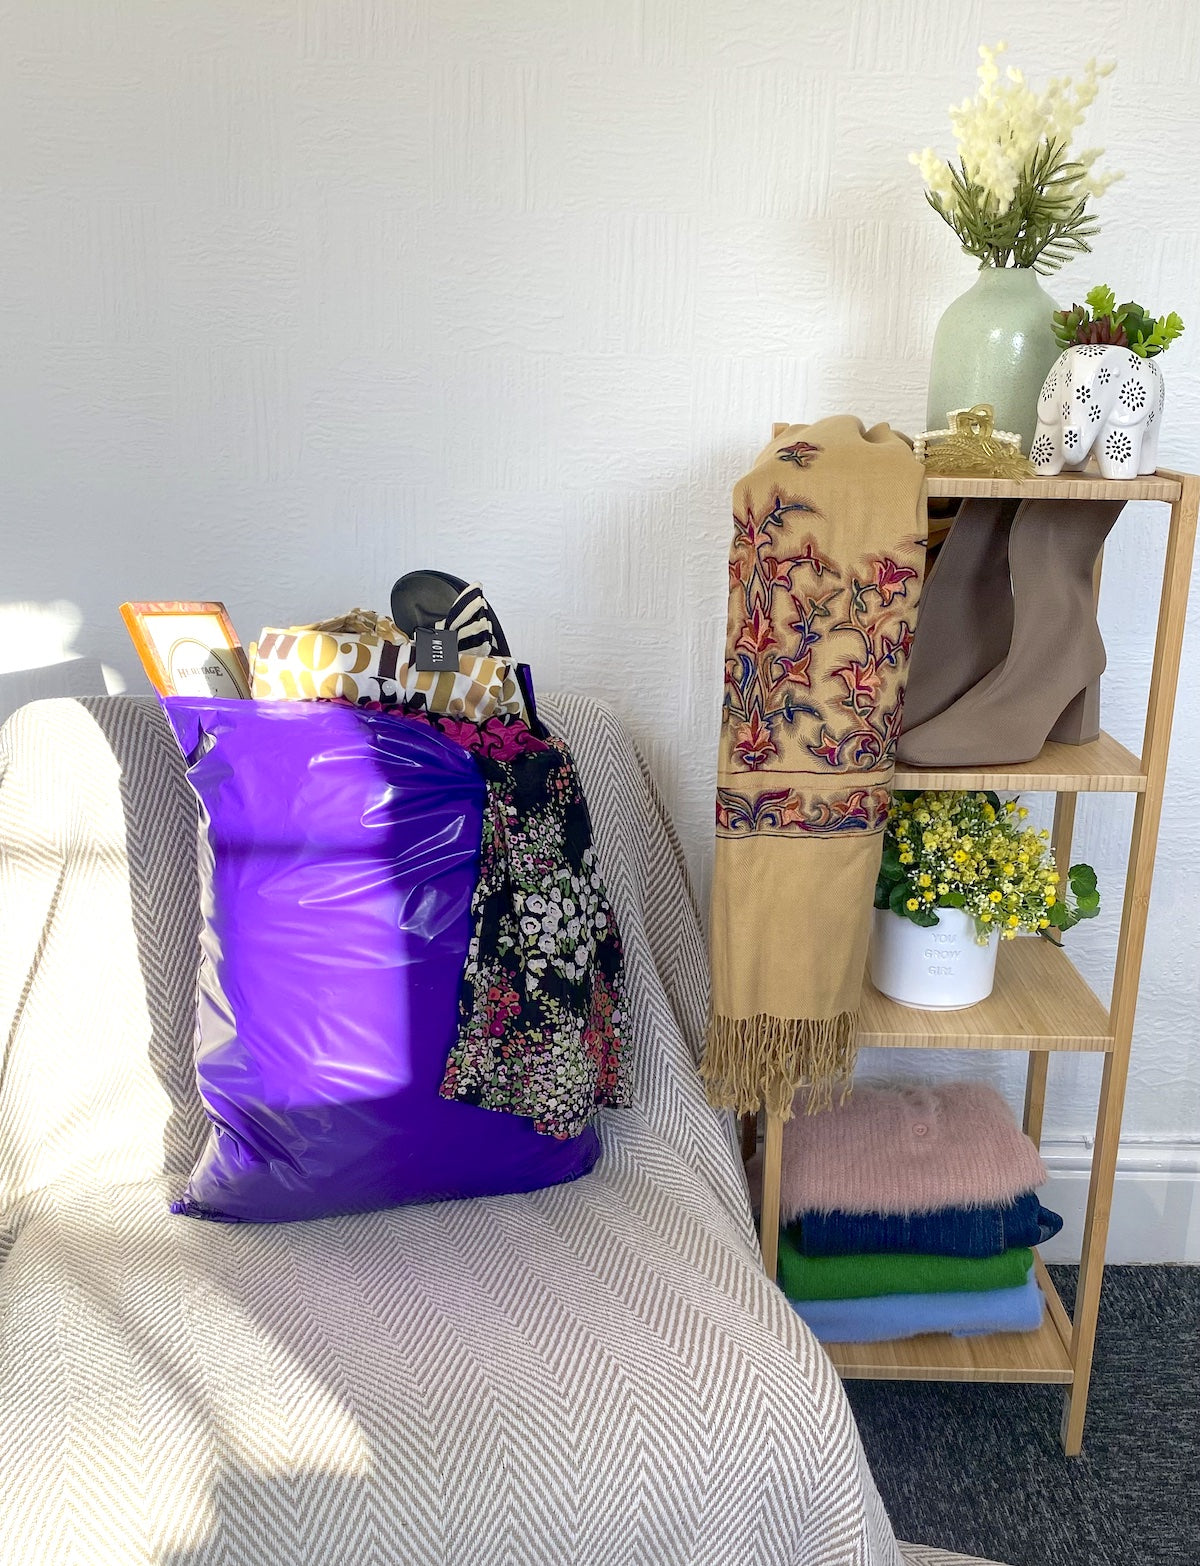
(979, 1468)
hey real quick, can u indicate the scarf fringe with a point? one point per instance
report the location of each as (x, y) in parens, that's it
(750, 1062)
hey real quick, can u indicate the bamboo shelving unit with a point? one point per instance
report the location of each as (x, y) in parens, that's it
(1041, 1003)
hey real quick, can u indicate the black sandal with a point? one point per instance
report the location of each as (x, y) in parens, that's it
(439, 601)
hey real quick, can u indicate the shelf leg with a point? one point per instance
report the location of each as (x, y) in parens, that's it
(1039, 1060)
(768, 1223)
(1095, 1240)
(749, 1137)
(1144, 837)
(1062, 833)
(1035, 1094)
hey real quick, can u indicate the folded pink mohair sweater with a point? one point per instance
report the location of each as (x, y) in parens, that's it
(900, 1149)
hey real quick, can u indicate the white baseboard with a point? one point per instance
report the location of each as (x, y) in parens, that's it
(1156, 1200)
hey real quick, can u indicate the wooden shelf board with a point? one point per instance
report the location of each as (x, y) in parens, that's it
(1040, 1002)
(1102, 767)
(999, 1356)
(1087, 484)
(1067, 486)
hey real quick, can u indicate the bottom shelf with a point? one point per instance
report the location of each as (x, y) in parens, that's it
(1043, 1355)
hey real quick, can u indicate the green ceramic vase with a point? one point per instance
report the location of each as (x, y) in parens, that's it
(994, 344)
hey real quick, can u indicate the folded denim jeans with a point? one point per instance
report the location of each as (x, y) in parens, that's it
(950, 1231)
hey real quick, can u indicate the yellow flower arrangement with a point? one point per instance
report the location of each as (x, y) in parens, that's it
(974, 852)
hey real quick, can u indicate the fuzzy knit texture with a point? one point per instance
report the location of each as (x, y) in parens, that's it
(907, 1149)
(964, 1315)
(951, 1231)
(870, 1276)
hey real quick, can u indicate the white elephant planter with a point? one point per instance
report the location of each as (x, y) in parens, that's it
(1104, 400)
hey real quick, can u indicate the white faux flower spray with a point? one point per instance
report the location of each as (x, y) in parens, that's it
(1016, 195)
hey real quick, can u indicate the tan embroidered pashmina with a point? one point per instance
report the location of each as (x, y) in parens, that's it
(824, 576)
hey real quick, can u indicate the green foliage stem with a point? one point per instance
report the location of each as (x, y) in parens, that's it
(1045, 225)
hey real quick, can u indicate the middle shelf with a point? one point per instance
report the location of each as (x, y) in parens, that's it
(1040, 1002)
(1103, 766)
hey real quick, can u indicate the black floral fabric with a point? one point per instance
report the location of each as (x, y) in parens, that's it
(542, 1005)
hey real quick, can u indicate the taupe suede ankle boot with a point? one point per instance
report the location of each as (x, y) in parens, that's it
(1047, 685)
(965, 622)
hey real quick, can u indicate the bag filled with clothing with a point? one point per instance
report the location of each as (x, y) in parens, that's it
(340, 855)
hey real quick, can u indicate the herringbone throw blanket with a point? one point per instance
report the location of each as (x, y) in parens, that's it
(824, 576)
(599, 1374)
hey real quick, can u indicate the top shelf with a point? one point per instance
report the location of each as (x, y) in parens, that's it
(1067, 486)
(1084, 485)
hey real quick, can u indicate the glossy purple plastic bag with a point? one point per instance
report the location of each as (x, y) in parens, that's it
(339, 853)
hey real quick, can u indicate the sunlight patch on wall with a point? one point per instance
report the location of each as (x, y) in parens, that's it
(33, 635)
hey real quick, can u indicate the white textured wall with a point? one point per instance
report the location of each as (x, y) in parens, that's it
(298, 294)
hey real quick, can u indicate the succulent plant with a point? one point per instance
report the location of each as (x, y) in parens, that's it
(1103, 320)
(1105, 330)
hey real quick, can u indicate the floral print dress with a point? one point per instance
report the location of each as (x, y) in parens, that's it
(542, 1004)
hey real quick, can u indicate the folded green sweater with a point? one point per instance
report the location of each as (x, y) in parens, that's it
(864, 1277)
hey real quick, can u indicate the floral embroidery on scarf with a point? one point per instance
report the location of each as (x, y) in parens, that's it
(800, 452)
(785, 608)
(788, 809)
(542, 1008)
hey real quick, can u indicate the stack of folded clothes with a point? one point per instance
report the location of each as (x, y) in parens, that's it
(910, 1210)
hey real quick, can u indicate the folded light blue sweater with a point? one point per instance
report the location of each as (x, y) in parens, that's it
(908, 1315)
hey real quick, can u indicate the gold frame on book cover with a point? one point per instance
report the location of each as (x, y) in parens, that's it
(188, 649)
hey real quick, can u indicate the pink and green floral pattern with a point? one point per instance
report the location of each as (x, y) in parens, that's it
(542, 1007)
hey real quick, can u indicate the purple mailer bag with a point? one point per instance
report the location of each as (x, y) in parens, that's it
(338, 854)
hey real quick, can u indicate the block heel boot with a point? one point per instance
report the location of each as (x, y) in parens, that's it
(1048, 682)
(1079, 723)
(964, 625)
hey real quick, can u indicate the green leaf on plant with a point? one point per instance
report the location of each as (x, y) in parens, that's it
(1144, 335)
(890, 864)
(952, 900)
(897, 898)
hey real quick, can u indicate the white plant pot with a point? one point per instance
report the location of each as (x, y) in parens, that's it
(939, 968)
